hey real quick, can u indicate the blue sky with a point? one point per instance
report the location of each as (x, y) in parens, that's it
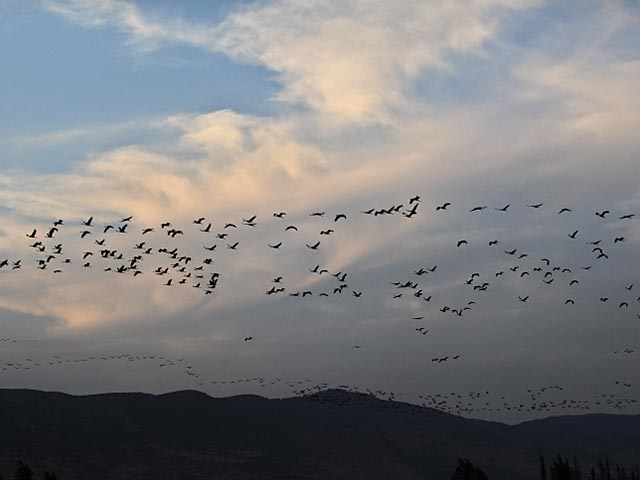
(63, 77)
(225, 110)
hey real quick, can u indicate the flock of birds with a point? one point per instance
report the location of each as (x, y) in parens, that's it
(126, 249)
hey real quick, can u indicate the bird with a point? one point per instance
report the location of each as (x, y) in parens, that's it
(246, 339)
(523, 299)
(314, 246)
(461, 242)
(199, 221)
(233, 246)
(618, 239)
(564, 209)
(32, 234)
(573, 234)
(279, 214)
(628, 216)
(291, 227)
(87, 223)
(503, 209)
(603, 214)
(535, 205)
(326, 232)
(276, 246)
(340, 216)
(444, 206)
(493, 242)
(478, 209)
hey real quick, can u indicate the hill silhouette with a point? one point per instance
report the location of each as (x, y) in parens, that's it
(333, 434)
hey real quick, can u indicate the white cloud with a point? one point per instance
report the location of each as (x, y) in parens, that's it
(144, 32)
(355, 62)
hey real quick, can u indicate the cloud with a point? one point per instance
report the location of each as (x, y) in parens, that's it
(559, 125)
(355, 62)
(144, 32)
(349, 64)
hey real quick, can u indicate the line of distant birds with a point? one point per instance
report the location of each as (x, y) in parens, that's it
(462, 403)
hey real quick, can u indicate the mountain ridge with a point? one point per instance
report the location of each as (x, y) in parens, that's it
(335, 434)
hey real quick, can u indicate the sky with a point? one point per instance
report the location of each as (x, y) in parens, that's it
(230, 109)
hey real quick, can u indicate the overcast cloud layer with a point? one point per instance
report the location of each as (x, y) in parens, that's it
(474, 103)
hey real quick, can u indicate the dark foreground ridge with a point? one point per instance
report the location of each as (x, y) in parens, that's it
(333, 434)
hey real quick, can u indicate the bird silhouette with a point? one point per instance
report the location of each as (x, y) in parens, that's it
(314, 246)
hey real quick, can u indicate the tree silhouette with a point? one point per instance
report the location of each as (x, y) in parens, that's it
(563, 470)
(467, 471)
(23, 472)
(50, 476)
